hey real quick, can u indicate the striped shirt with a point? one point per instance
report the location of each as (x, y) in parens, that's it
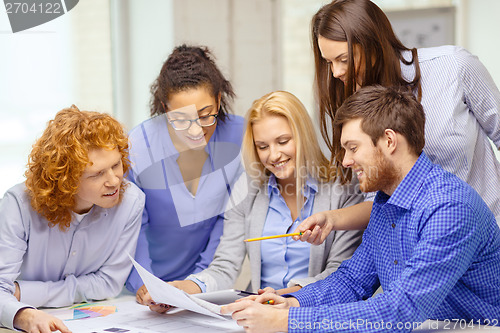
(433, 246)
(461, 104)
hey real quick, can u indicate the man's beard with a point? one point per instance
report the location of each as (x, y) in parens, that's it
(382, 175)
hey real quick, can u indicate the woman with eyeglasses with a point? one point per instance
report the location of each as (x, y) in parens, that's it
(185, 159)
(287, 178)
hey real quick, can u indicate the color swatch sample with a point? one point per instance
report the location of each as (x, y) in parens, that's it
(85, 311)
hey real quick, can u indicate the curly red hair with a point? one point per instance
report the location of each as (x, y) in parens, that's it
(60, 156)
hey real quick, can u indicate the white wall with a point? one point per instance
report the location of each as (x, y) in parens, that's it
(142, 37)
(45, 69)
(242, 35)
(482, 33)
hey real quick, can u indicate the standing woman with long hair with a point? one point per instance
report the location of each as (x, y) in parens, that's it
(354, 46)
(186, 160)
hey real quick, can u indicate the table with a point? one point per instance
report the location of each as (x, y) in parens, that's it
(134, 318)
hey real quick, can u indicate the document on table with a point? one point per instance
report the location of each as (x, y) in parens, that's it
(162, 292)
(132, 317)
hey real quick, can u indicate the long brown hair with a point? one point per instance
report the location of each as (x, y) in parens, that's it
(362, 23)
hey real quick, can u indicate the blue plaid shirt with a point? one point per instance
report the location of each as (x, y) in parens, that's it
(433, 246)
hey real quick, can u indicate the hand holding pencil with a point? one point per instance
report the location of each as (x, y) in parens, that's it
(271, 237)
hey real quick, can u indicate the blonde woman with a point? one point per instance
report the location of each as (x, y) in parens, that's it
(287, 179)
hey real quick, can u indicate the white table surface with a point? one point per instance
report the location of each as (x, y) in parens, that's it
(134, 318)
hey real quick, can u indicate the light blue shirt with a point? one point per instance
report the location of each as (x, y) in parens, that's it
(89, 261)
(283, 258)
(180, 232)
(433, 246)
(462, 110)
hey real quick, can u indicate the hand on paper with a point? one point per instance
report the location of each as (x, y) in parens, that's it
(36, 321)
(257, 317)
(17, 293)
(187, 285)
(142, 297)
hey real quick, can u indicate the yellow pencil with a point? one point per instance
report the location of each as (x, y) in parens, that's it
(271, 237)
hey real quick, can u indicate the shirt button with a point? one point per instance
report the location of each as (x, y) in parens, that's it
(73, 253)
(393, 225)
(395, 262)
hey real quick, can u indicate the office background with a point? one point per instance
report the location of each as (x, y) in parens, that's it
(104, 54)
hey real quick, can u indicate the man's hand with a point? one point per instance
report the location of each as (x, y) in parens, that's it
(278, 301)
(316, 228)
(17, 293)
(257, 317)
(36, 321)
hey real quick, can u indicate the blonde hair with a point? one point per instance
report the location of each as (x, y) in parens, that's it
(60, 156)
(310, 161)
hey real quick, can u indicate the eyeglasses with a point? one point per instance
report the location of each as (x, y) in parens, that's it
(184, 124)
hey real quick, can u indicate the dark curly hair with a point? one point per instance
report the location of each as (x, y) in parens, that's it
(186, 68)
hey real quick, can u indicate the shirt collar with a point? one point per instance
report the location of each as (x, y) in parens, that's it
(310, 188)
(407, 190)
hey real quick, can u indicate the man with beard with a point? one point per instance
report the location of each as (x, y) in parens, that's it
(432, 244)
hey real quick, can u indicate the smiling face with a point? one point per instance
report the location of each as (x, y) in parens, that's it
(336, 54)
(375, 172)
(192, 104)
(275, 147)
(101, 181)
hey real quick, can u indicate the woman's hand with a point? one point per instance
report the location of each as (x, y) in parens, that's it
(187, 285)
(316, 228)
(143, 297)
(17, 293)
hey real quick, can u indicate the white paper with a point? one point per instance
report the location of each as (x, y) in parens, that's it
(162, 292)
(130, 314)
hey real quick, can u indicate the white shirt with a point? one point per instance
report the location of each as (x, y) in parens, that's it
(58, 268)
(461, 104)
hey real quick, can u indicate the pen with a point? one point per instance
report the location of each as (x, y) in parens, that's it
(270, 237)
(271, 301)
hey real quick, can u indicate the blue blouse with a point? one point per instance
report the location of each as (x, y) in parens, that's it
(180, 232)
(284, 258)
